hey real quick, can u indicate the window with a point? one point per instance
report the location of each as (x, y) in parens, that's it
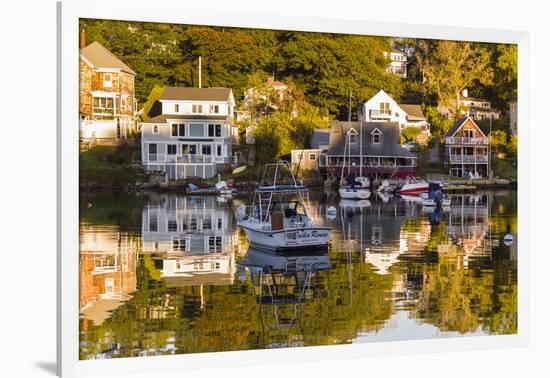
(299, 156)
(312, 157)
(385, 108)
(207, 150)
(176, 108)
(109, 286)
(352, 138)
(178, 129)
(152, 148)
(219, 151)
(153, 223)
(196, 129)
(123, 103)
(107, 80)
(172, 148)
(215, 109)
(192, 149)
(197, 108)
(219, 223)
(155, 129)
(214, 130)
(172, 226)
(376, 137)
(103, 105)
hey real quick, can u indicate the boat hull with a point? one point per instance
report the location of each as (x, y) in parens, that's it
(291, 239)
(354, 193)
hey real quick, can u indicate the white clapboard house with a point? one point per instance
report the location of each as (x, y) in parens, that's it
(192, 135)
(383, 108)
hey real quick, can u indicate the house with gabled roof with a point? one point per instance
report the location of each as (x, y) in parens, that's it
(193, 134)
(467, 149)
(367, 149)
(107, 102)
(383, 108)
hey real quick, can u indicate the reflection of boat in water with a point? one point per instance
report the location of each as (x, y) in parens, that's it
(344, 203)
(280, 280)
(278, 218)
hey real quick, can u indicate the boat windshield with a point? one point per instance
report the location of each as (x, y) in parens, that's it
(289, 208)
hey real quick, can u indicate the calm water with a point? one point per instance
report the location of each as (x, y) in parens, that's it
(168, 274)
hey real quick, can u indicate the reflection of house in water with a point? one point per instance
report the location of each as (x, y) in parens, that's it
(280, 284)
(468, 224)
(108, 260)
(379, 232)
(193, 237)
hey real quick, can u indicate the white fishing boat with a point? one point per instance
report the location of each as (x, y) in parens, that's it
(278, 218)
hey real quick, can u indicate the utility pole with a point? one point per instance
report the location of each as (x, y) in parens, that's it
(200, 71)
(490, 137)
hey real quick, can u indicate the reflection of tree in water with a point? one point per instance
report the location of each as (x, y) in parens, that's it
(429, 279)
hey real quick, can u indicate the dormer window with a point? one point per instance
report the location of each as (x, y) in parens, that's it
(376, 136)
(107, 80)
(197, 108)
(352, 136)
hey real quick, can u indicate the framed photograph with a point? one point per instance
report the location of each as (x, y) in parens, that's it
(239, 188)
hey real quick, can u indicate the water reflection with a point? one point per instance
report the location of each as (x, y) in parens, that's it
(167, 274)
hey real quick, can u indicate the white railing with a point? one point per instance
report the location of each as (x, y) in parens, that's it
(380, 113)
(469, 158)
(187, 158)
(466, 140)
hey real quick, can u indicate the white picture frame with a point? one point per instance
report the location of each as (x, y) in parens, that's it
(69, 12)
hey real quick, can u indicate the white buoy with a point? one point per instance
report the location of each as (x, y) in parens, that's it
(508, 240)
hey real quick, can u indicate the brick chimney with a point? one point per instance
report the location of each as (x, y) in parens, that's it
(82, 39)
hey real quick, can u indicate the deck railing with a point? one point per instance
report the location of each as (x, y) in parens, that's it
(466, 140)
(468, 158)
(187, 158)
(378, 113)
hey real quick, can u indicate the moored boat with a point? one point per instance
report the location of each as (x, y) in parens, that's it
(278, 219)
(413, 187)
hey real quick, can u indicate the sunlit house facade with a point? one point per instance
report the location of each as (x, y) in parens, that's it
(107, 102)
(193, 134)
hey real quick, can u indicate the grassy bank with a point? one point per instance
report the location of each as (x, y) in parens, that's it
(110, 167)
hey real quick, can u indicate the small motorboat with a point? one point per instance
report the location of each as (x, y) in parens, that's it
(435, 197)
(195, 190)
(413, 187)
(354, 193)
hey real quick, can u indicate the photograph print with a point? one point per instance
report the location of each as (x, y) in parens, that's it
(246, 189)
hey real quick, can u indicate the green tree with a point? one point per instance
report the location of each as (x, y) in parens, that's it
(450, 66)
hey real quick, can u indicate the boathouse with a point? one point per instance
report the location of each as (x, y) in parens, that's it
(368, 149)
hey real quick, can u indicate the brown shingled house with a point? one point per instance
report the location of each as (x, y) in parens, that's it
(107, 102)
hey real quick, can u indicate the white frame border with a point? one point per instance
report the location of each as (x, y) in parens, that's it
(167, 11)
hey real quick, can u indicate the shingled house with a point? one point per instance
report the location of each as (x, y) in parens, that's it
(373, 150)
(466, 149)
(192, 135)
(107, 102)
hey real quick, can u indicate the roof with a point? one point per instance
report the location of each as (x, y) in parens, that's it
(319, 137)
(196, 94)
(100, 57)
(162, 118)
(414, 112)
(458, 124)
(389, 146)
